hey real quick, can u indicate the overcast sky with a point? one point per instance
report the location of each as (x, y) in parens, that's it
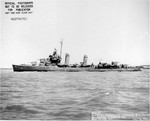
(111, 30)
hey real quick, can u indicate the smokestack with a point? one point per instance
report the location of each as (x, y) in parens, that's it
(67, 57)
(85, 58)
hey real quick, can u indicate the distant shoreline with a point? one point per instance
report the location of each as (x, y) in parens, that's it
(6, 68)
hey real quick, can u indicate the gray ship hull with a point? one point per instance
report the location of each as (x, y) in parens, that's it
(20, 68)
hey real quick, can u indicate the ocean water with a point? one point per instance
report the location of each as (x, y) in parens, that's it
(74, 95)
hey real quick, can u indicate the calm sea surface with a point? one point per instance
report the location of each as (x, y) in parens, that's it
(74, 95)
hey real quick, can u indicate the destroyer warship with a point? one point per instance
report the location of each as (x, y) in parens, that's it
(53, 63)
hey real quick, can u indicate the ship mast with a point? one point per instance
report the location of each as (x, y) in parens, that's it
(61, 42)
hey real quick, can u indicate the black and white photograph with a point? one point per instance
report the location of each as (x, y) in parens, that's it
(74, 60)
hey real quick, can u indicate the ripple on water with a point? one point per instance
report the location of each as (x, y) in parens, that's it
(19, 108)
(72, 96)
